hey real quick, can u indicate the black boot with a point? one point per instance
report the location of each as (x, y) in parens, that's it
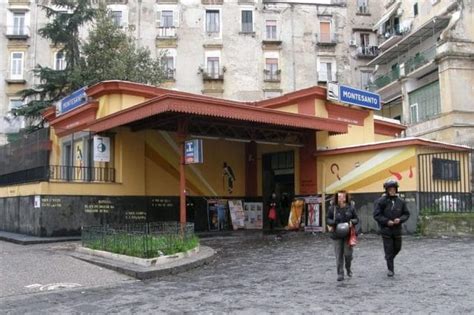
(390, 268)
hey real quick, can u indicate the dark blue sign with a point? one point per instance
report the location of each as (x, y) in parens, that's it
(74, 100)
(358, 97)
(193, 151)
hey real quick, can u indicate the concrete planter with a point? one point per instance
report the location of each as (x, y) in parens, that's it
(145, 262)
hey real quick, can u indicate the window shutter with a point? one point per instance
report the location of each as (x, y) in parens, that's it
(158, 19)
(176, 18)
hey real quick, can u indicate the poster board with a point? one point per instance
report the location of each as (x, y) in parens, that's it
(253, 215)
(237, 214)
(296, 212)
(314, 221)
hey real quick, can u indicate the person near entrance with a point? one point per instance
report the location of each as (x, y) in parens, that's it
(390, 211)
(340, 217)
(272, 210)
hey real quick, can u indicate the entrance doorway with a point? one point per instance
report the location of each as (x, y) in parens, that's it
(279, 177)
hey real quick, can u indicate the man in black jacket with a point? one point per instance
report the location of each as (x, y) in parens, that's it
(390, 211)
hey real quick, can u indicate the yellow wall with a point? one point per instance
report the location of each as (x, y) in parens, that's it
(320, 108)
(289, 109)
(109, 104)
(367, 171)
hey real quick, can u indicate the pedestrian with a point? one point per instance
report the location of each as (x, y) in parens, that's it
(390, 211)
(272, 210)
(340, 218)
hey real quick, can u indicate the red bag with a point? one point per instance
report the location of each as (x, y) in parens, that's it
(352, 239)
(272, 214)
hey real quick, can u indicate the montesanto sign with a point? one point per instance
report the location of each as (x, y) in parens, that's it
(359, 97)
(72, 101)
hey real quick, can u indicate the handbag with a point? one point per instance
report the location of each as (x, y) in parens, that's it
(272, 213)
(352, 239)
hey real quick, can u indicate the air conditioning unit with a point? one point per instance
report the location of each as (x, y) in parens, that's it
(353, 43)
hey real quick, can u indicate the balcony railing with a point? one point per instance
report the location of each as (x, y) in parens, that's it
(15, 32)
(326, 76)
(215, 74)
(15, 78)
(81, 173)
(326, 39)
(272, 76)
(170, 74)
(363, 9)
(166, 32)
(385, 79)
(420, 59)
(367, 51)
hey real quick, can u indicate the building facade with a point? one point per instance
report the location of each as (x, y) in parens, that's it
(240, 49)
(425, 68)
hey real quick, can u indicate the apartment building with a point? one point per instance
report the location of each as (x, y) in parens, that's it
(236, 49)
(425, 67)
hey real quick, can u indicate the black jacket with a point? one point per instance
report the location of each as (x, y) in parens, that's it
(345, 214)
(390, 208)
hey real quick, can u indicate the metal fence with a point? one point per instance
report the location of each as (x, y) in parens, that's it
(445, 182)
(81, 173)
(141, 239)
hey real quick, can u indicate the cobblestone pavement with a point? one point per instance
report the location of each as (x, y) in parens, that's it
(255, 275)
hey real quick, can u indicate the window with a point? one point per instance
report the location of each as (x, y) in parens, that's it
(362, 6)
(325, 32)
(327, 71)
(59, 61)
(271, 69)
(212, 21)
(168, 66)
(16, 66)
(167, 18)
(445, 169)
(271, 29)
(415, 9)
(247, 21)
(116, 17)
(364, 80)
(213, 67)
(19, 23)
(364, 39)
(427, 100)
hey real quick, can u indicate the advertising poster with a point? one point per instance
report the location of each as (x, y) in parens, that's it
(313, 215)
(253, 215)
(296, 212)
(237, 214)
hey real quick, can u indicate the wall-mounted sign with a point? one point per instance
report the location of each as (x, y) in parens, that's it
(72, 101)
(101, 149)
(193, 152)
(352, 96)
(358, 97)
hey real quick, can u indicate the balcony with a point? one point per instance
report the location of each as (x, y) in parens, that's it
(11, 78)
(170, 74)
(390, 38)
(212, 2)
(270, 43)
(363, 10)
(419, 60)
(15, 32)
(326, 39)
(272, 76)
(168, 32)
(212, 74)
(367, 52)
(325, 76)
(385, 79)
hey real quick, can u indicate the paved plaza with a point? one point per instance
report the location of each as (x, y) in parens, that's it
(251, 274)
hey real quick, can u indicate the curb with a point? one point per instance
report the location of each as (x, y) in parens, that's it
(22, 239)
(204, 257)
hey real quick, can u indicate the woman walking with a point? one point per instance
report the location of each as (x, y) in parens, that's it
(340, 217)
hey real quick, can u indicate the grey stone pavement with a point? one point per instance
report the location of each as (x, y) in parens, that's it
(252, 275)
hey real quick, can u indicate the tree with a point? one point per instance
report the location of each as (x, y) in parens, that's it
(108, 54)
(62, 31)
(111, 54)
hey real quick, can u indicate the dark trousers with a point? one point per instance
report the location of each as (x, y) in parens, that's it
(392, 244)
(343, 255)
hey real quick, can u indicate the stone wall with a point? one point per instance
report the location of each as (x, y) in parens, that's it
(449, 224)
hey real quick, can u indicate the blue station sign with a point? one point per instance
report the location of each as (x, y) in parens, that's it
(72, 101)
(193, 151)
(358, 97)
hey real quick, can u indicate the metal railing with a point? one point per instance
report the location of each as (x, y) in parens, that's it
(326, 38)
(217, 74)
(17, 32)
(81, 173)
(272, 76)
(141, 239)
(420, 59)
(170, 74)
(166, 32)
(367, 51)
(444, 182)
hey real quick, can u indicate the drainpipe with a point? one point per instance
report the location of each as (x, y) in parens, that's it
(293, 46)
